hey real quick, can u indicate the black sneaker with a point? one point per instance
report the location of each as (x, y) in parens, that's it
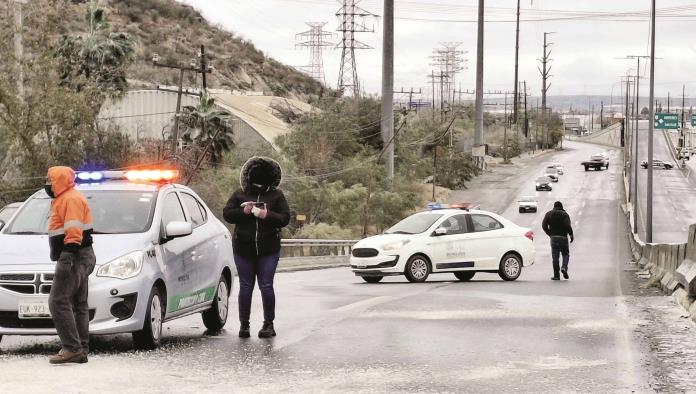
(244, 330)
(267, 330)
(555, 278)
(565, 273)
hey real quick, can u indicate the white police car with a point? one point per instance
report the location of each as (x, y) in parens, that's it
(445, 239)
(161, 254)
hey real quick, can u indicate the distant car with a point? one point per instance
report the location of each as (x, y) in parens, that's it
(596, 162)
(7, 212)
(685, 153)
(658, 164)
(445, 240)
(551, 172)
(559, 168)
(527, 204)
(543, 183)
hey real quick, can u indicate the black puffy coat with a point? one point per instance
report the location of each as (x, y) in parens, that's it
(255, 237)
(556, 223)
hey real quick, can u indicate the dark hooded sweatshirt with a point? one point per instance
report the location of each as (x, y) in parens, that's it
(255, 237)
(557, 222)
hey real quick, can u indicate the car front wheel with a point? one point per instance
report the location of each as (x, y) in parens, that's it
(510, 267)
(216, 317)
(151, 335)
(417, 269)
(465, 276)
(372, 279)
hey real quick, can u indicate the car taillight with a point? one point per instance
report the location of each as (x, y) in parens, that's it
(530, 234)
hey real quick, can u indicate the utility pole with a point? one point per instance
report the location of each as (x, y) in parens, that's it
(410, 93)
(202, 68)
(388, 85)
(315, 40)
(681, 140)
(505, 140)
(478, 118)
(651, 127)
(517, 57)
(19, 46)
(526, 119)
(545, 75)
(432, 76)
(592, 120)
(348, 81)
(601, 115)
(668, 102)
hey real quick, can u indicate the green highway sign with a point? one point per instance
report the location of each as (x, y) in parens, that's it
(693, 120)
(666, 121)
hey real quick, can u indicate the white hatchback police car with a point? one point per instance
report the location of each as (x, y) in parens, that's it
(161, 254)
(445, 239)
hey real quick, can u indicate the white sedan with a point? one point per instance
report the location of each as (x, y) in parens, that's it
(445, 239)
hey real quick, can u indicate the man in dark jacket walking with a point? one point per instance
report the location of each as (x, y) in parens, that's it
(259, 211)
(557, 226)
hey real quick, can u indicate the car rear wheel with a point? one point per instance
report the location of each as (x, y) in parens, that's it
(465, 276)
(216, 317)
(417, 269)
(151, 335)
(521, 210)
(510, 267)
(372, 279)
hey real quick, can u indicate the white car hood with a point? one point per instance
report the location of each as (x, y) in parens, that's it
(19, 251)
(379, 240)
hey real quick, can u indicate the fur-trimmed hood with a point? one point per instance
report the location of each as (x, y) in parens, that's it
(270, 168)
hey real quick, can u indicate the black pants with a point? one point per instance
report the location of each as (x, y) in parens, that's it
(249, 269)
(68, 300)
(559, 246)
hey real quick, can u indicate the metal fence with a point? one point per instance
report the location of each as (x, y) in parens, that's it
(316, 247)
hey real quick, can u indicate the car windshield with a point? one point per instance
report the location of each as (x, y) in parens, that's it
(550, 169)
(6, 213)
(113, 212)
(414, 224)
(543, 179)
(527, 199)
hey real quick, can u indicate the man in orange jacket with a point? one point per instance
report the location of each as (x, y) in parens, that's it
(70, 240)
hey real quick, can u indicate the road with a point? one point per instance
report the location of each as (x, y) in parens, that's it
(673, 193)
(338, 334)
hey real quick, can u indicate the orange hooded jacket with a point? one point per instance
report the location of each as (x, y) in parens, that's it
(70, 224)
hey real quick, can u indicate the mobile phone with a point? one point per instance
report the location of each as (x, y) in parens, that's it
(260, 204)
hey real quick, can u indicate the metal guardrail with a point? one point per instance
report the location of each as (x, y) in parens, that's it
(316, 247)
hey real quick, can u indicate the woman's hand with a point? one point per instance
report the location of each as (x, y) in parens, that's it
(260, 213)
(248, 207)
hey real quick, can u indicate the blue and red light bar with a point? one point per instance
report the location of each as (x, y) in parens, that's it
(150, 175)
(434, 206)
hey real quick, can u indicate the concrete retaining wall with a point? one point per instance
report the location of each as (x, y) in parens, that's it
(672, 267)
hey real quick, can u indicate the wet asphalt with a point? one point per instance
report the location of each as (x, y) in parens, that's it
(338, 334)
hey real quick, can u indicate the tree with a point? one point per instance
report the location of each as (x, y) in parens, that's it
(208, 126)
(96, 59)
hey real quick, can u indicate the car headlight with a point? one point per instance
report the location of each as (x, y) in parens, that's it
(392, 246)
(123, 267)
(538, 184)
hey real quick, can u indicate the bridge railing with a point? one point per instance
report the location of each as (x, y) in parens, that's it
(302, 248)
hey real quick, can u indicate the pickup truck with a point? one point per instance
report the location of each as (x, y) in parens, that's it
(596, 162)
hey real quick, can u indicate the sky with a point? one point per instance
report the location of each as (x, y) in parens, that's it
(584, 50)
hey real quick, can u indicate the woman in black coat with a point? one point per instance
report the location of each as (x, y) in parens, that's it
(259, 211)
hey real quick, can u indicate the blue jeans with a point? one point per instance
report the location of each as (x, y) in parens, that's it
(559, 246)
(248, 269)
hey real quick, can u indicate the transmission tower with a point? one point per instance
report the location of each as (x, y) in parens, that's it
(449, 60)
(351, 21)
(314, 39)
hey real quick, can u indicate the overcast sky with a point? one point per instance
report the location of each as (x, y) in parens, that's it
(584, 50)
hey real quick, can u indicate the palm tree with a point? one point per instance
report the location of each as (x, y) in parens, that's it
(97, 56)
(209, 127)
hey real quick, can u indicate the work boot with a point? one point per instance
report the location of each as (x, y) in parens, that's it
(65, 357)
(267, 330)
(244, 330)
(564, 271)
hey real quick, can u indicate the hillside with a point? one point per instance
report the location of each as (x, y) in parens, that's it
(174, 31)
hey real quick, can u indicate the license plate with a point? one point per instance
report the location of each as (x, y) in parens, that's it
(361, 266)
(34, 309)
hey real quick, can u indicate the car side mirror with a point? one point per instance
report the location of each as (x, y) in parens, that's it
(177, 230)
(440, 231)
(2, 224)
